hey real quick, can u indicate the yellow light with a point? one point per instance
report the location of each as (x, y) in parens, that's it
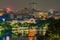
(16, 33)
(0, 27)
(1, 14)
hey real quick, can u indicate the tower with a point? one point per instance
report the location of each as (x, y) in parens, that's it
(33, 4)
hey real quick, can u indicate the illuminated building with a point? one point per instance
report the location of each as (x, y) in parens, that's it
(56, 16)
(41, 15)
(31, 33)
(14, 21)
(29, 21)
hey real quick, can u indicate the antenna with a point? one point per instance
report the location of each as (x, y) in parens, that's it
(33, 4)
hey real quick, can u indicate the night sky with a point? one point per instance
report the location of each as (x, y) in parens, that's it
(41, 4)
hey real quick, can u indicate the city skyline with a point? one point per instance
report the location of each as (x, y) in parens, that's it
(41, 4)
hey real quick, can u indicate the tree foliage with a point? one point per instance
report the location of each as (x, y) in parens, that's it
(53, 32)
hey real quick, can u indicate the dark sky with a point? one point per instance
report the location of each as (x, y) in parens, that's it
(41, 5)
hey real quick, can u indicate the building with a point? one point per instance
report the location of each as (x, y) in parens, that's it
(56, 16)
(28, 21)
(41, 15)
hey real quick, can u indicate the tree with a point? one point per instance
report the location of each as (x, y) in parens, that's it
(8, 29)
(1, 31)
(52, 32)
(25, 24)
